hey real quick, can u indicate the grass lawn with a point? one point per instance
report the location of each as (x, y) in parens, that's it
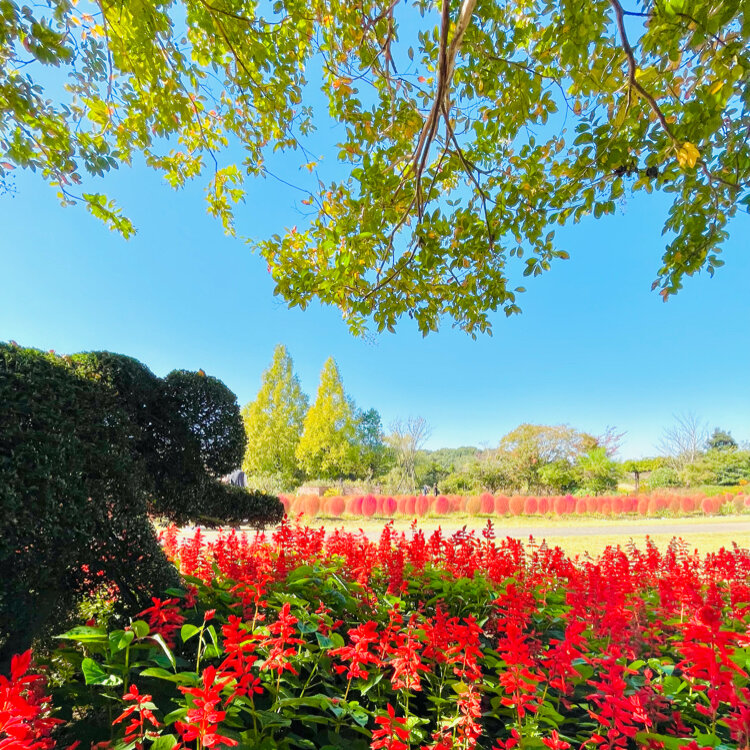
(575, 535)
(594, 545)
(578, 535)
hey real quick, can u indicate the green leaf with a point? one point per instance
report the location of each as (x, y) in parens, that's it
(181, 678)
(371, 682)
(165, 742)
(270, 719)
(140, 628)
(85, 634)
(188, 631)
(178, 713)
(120, 639)
(160, 640)
(95, 675)
(323, 641)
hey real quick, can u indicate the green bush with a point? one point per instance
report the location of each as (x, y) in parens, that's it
(273, 484)
(459, 483)
(236, 505)
(664, 476)
(89, 445)
(723, 467)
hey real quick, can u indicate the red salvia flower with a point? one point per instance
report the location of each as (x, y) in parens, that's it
(391, 733)
(25, 721)
(358, 654)
(205, 716)
(405, 660)
(164, 618)
(140, 715)
(239, 645)
(554, 742)
(468, 729)
(281, 648)
(520, 677)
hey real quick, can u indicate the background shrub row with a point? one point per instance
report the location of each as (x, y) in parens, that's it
(386, 506)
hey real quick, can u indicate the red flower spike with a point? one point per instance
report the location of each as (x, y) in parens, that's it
(391, 733)
(25, 721)
(554, 742)
(164, 618)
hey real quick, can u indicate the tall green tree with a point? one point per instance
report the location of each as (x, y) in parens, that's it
(469, 130)
(327, 448)
(599, 473)
(374, 457)
(274, 420)
(721, 440)
(527, 449)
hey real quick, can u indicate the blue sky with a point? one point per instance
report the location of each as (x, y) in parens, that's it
(594, 346)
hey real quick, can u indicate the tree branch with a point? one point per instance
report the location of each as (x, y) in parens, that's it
(633, 67)
(446, 66)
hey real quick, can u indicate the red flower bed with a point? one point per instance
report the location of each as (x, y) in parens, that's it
(319, 640)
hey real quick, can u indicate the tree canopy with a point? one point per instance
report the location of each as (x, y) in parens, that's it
(525, 451)
(273, 422)
(374, 457)
(468, 130)
(721, 440)
(327, 447)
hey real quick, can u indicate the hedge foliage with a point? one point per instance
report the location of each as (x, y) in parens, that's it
(90, 445)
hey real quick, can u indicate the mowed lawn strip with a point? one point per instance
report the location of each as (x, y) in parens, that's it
(577, 536)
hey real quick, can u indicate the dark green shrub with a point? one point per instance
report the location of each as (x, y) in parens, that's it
(236, 505)
(212, 415)
(90, 444)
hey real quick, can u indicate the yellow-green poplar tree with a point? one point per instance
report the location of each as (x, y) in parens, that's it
(327, 446)
(273, 422)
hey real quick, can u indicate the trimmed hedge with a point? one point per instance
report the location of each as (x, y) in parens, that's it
(89, 445)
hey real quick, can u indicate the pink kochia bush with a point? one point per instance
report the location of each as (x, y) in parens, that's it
(412, 641)
(441, 506)
(369, 505)
(486, 504)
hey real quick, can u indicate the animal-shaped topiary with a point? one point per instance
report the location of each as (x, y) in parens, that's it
(91, 446)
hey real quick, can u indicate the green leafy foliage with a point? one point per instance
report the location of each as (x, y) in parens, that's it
(327, 446)
(467, 134)
(211, 412)
(721, 440)
(89, 445)
(526, 450)
(636, 467)
(598, 472)
(71, 496)
(274, 420)
(663, 476)
(719, 466)
(374, 457)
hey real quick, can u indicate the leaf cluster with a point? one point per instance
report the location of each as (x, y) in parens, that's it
(467, 136)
